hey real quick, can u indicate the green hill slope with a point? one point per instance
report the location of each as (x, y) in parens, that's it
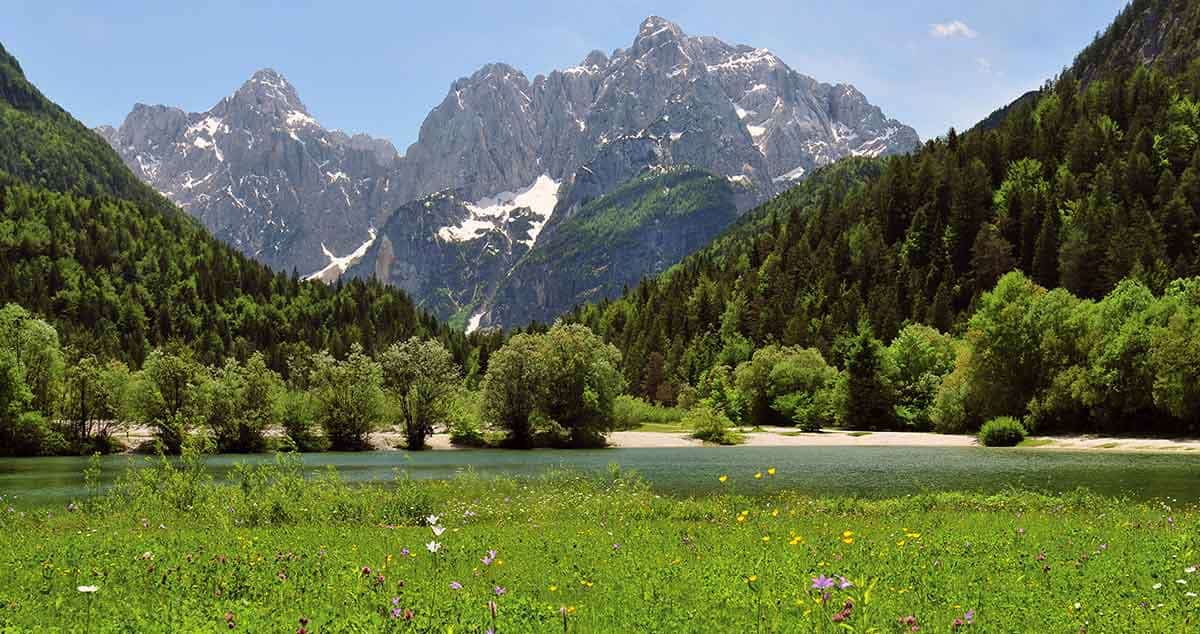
(1081, 186)
(118, 269)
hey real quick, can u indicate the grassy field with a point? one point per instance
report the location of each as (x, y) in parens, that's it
(168, 550)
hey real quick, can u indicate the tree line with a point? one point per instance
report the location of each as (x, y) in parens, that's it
(555, 388)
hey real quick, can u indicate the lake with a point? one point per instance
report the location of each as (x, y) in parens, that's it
(858, 471)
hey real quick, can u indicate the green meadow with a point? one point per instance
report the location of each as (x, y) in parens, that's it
(169, 549)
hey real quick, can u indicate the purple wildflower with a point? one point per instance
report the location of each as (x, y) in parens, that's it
(403, 552)
(491, 556)
(454, 585)
(969, 617)
(616, 547)
(844, 583)
(822, 583)
(396, 613)
(499, 590)
(396, 601)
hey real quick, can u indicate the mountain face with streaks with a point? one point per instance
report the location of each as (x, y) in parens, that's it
(500, 164)
(262, 174)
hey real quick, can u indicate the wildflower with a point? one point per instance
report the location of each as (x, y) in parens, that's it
(396, 613)
(437, 530)
(771, 471)
(752, 578)
(723, 479)
(553, 588)
(87, 589)
(408, 614)
(1041, 556)
(499, 590)
(847, 540)
(758, 476)
(844, 583)
(489, 558)
(766, 538)
(822, 582)
(1191, 570)
(1157, 586)
(366, 571)
(404, 552)
(433, 547)
(454, 585)
(969, 617)
(432, 520)
(616, 547)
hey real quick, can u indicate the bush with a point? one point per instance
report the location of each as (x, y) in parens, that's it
(298, 415)
(712, 425)
(1004, 431)
(349, 398)
(631, 412)
(466, 427)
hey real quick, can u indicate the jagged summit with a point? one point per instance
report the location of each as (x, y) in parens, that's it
(262, 173)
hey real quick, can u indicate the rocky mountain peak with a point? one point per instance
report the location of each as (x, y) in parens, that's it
(519, 157)
(269, 93)
(653, 33)
(595, 61)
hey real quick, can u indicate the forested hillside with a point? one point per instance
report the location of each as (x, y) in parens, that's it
(117, 269)
(1088, 184)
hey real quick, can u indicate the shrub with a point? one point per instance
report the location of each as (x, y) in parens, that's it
(466, 427)
(1004, 431)
(687, 397)
(298, 415)
(712, 425)
(631, 412)
(349, 398)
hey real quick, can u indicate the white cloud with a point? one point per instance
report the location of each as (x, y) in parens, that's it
(956, 28)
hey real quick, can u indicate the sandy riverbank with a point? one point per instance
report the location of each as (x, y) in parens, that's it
(787, 437)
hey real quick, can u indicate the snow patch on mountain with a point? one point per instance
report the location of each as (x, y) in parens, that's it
(495, 211)
(338, 265)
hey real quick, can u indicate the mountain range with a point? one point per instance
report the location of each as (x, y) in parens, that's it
(502, 169)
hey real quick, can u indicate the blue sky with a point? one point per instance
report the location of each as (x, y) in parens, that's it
(379, 67)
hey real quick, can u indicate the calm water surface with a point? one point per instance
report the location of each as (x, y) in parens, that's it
(860, 471)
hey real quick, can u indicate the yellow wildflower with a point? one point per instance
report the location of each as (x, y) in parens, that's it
(752, 578)
(723, 479)
(771, 471)
(758, 476)
(554, 588)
